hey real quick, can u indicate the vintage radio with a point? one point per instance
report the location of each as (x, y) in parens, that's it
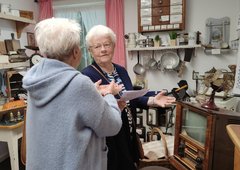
(201, 140)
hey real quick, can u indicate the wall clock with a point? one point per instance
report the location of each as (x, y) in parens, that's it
(35, 58)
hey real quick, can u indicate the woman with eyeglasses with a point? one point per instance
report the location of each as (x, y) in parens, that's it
(123, 151)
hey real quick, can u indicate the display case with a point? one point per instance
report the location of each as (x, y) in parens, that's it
(14, 84)
(201, 140)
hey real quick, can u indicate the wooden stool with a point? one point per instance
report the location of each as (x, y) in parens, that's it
(11, 134)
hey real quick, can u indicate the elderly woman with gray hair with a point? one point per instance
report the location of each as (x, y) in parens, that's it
(123, 151)
(68, 117)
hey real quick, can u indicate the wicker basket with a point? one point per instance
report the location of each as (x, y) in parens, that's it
(164, 161)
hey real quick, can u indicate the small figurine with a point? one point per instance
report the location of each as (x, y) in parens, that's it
(12, 119)
(19, 118)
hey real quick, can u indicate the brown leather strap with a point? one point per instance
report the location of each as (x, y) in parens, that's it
(103, 76)
(100, 73)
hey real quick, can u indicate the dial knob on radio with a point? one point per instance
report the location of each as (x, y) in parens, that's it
(199, 163)
(181, 150)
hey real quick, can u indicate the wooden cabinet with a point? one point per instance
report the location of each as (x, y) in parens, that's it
(14, 84)
(161, 15)
(201, 139)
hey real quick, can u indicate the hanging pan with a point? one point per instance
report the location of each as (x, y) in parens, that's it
(138, 68)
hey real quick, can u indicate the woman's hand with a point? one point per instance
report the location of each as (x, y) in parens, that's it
(121, 104)
(161, 100)
(112, 88)
(97, 84)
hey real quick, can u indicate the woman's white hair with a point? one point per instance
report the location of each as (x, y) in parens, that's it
(57, 37)
(100, 30)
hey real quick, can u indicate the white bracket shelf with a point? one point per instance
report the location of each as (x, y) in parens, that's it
(163, 48)
(21, 22)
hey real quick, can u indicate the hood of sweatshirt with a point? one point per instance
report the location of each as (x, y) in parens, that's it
(47, 79)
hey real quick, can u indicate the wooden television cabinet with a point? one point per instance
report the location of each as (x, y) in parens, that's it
(201, 139)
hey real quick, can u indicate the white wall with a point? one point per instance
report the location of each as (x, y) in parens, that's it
(196, 14)
(6, 28)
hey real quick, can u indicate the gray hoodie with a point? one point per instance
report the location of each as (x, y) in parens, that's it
(67, 119)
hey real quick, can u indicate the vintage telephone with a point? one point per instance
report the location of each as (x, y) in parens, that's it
(180, 93)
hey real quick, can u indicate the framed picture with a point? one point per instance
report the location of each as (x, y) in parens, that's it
(31, 39)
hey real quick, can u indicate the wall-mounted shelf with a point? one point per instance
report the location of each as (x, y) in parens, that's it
(217, 51)
(14, 65)
(21, 22)
(163, 48)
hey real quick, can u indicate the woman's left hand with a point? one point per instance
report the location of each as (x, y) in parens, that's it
(163, 101)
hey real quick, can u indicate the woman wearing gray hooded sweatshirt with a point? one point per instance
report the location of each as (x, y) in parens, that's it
(68, 117)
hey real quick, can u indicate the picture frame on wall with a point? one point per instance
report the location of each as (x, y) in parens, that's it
(31, 39)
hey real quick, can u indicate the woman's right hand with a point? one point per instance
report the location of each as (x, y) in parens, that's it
(112, 88)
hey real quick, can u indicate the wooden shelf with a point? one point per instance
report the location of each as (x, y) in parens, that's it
(217, 51)
(21, 22)
(163, 48)
(14, 65)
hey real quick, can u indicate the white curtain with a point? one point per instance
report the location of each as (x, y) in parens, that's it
(88, 15)
(93, 15)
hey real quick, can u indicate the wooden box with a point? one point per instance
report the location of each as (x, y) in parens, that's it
(26, 14)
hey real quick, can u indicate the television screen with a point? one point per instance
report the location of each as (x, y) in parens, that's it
(194, 125)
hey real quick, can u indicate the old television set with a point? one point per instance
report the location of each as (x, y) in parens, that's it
(201, 139)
